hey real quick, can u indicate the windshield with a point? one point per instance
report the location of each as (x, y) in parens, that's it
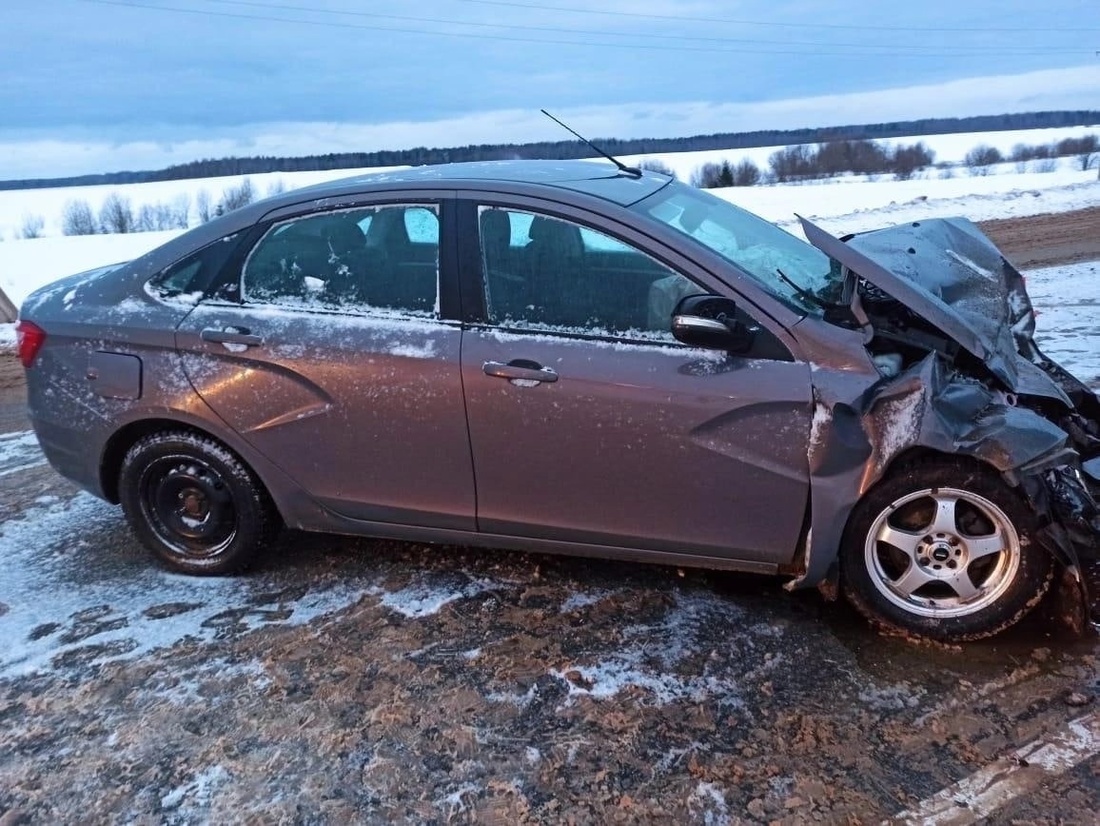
(798, 274)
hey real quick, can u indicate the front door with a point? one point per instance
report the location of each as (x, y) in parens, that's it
(336, 365)
(590, 423)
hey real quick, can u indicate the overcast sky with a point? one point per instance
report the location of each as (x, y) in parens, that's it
(101, 85)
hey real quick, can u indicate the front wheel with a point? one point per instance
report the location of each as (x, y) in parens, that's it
(943, 550)
(194, 504)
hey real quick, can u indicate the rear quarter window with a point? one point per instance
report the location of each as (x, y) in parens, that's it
(194, 274)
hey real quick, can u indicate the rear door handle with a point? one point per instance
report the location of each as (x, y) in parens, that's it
(520, 370)
(231, 335)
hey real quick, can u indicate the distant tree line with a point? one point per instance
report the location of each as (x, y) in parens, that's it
(117, 215)
(1036, 157)
(564, 149)
(804, 162)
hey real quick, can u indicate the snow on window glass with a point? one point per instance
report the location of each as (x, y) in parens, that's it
(782, 264)
(572, 279)
(359, 260)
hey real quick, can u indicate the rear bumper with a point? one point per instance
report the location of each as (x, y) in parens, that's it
(72, 452)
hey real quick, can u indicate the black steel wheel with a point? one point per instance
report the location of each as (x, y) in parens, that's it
(194, 504)
(944, 550)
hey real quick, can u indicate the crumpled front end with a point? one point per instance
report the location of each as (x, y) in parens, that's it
(950, 327)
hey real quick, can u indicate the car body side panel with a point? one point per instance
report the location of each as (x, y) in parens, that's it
(365, 413)
(658, 447)
(75, 423)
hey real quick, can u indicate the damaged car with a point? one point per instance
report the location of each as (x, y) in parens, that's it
(580, 358)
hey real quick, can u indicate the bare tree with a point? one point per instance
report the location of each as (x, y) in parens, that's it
(658, 166)
(276, 187)
(115, 215)
(235, 197)
(793, 163)
(180, 212)
(202, 206)
(981, 157)
(746, 173)
(32, 226)
(146, 220)
(908, 160)
(1088, 150)
(78, 219)
(712, 175)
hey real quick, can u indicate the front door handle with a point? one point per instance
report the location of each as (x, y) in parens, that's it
(231, 335)
(519, 371)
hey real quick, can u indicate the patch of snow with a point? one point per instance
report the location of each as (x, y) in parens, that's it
(1066, 300)
(892, 697)
(518, 700)
(72, 595)
(422, 599)
(19, 451)
(709, 801)
(413, 351)
(197, 791)
(652, 653)
(582, 599)
(823, 416)
(897, 422)
(458, 801)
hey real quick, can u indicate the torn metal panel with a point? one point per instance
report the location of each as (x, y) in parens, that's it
(996, 399)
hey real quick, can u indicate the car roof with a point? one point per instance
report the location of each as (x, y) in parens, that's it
(599, 178)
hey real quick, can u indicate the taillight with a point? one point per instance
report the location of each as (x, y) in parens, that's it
(29, 338)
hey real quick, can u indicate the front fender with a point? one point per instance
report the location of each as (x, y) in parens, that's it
(859, 433)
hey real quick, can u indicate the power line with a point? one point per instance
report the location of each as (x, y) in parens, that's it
(738, 22)
(1030, 49)
(883, 51)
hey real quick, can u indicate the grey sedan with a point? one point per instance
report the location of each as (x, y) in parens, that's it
(576, 358)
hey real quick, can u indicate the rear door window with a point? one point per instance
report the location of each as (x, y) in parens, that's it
(362, 259)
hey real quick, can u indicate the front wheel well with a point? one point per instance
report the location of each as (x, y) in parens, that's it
(110, 465)
(915, 457)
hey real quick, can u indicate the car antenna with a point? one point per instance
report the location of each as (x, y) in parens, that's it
(629, 170)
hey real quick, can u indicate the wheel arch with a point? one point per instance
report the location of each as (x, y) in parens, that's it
(919, 455)
(116, 447)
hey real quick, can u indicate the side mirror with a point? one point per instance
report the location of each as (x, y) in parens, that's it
(710, 321)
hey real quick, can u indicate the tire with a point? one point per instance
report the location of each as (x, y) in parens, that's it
(194, 504)
(943, 550)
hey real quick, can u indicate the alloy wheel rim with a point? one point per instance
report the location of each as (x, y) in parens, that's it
(942, 552)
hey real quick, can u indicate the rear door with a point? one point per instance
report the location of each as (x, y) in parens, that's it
(331, 353)
(590, 423)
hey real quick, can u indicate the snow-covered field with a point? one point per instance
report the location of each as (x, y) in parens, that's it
(949, 149)
(16, 205)
(842, 205)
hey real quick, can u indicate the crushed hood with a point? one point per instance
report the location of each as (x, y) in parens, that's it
(951, 275)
